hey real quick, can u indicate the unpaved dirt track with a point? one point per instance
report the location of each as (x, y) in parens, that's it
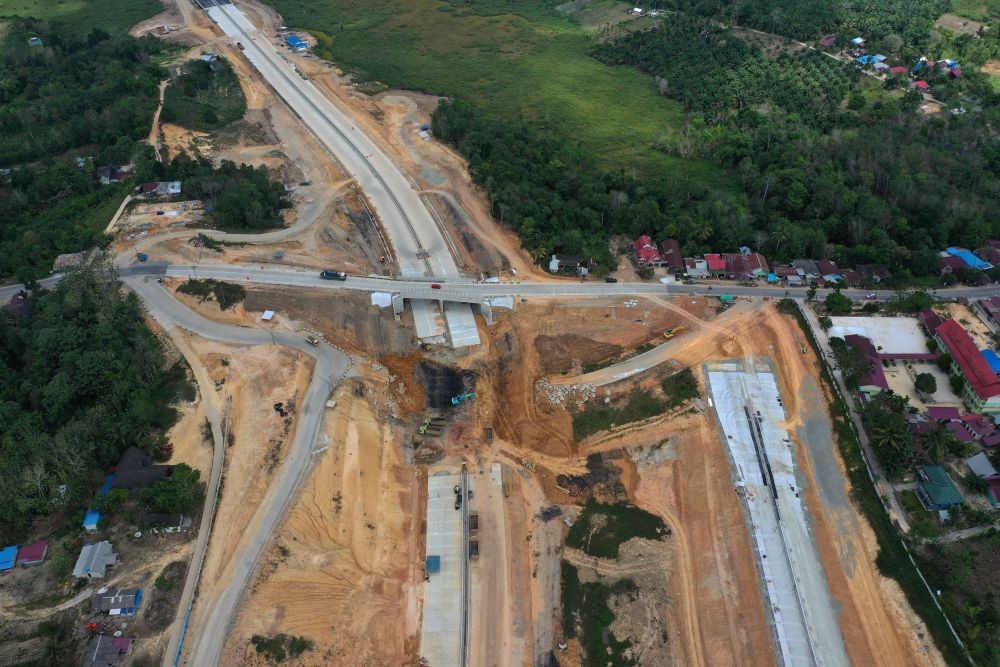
(330, 367)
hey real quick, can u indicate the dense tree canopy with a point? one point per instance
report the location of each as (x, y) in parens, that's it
(81, 379)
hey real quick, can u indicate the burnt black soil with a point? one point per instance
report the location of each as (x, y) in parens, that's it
(442, 382)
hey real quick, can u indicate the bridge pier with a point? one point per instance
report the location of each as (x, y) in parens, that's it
(487, 310)
(397, 304)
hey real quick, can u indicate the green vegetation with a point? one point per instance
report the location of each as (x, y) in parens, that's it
(884, 417)
(977, 10)
(225, 294)
(893, 559)
(925, 383)
(240, 196)
(520, 60)
(681, 387)
(165, 584)
(78, 17)
(807, 170)
(850, 361)
(91, 96)
(181, 493)
(923, 524)
(969, 576)
(602, 528)
(594, 419)
(281, 646)
(204, 97)
(82, 380)
(586, 615)
(838, 304)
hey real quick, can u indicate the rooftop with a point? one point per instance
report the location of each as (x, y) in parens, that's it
(963, 350)
(939, 487)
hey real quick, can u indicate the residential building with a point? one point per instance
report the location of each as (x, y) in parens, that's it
(645, 252)
(807, 269)
(936, 490)
(991, 308)
(969, 259)
(106, 650)
(91, 520)
(873, 380)
(696, 267)
(716, 264)
(8, 558)
(559, 262)
(981, 466)
(950, 264)
(33, 553)
(943, 413)
(930, 320)
(136, 470)
(981, 387)
(160, 188)
(117, 601)
(874, 272)
(113, 174)
(670, 255)
(94, 561)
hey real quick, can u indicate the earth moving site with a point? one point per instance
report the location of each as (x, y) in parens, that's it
(438, 518)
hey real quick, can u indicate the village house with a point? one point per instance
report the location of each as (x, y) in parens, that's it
(106, 650)
(936, 490)
(117, 601)
(645, 253)
(94, 561)
(136, 470)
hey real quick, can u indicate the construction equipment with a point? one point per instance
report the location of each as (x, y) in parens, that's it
(474, 548)
(473, 522)
(673, 331)
(461, 398)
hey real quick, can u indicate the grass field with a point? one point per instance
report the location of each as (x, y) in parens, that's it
(80, 16)
(516, 60)
(977, 10)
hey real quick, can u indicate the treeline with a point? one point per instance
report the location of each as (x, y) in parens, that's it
(81, 380)
(873, 181)
(71, 92)
(239, 196)
(204, 96)
(547, 189)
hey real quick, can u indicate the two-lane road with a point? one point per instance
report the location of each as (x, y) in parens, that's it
(331, 364)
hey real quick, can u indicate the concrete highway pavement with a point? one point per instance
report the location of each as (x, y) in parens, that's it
(420, 245)
(331, 365)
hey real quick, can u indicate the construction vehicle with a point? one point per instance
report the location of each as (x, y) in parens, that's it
(673, 331)
(474, 548)
(462, 398)
(312, 340)
(473, 521)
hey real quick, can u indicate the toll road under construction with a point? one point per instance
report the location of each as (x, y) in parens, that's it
(749, 408)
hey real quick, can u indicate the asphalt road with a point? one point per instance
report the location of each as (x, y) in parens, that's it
(331, 364)
(474, 292)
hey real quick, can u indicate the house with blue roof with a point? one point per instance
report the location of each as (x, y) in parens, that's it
(295, 43)
(90, 520)
(8, 556)
(969, 258)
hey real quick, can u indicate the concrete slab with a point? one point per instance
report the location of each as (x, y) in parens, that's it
(441, 632)
(748, 405)
(892, 334)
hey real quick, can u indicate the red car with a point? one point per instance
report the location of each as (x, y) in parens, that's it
(435, 286)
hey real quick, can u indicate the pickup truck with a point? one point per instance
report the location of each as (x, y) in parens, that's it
(330, 274)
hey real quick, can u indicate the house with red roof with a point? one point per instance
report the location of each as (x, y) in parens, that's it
(930, 320)
(981, 387)
(33, 553)
(644, 252)
(943, 413)
(873, 380)
(716, 264)
(950, 264)
(898, 70)
(921, 85)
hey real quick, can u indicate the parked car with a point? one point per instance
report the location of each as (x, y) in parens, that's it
(610, 280)
(435, 286)
(240, 45)
(330, 274)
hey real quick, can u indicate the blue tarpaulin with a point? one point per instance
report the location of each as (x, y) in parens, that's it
(103, 491)
(992, 359)
(772, 277)
(90, 520)
(433, 564)
(7, 557)
(970, 259)
(296, 43)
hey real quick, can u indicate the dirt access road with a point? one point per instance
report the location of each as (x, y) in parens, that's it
(330, 367)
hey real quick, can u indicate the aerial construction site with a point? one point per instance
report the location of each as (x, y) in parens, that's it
(400, 476)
